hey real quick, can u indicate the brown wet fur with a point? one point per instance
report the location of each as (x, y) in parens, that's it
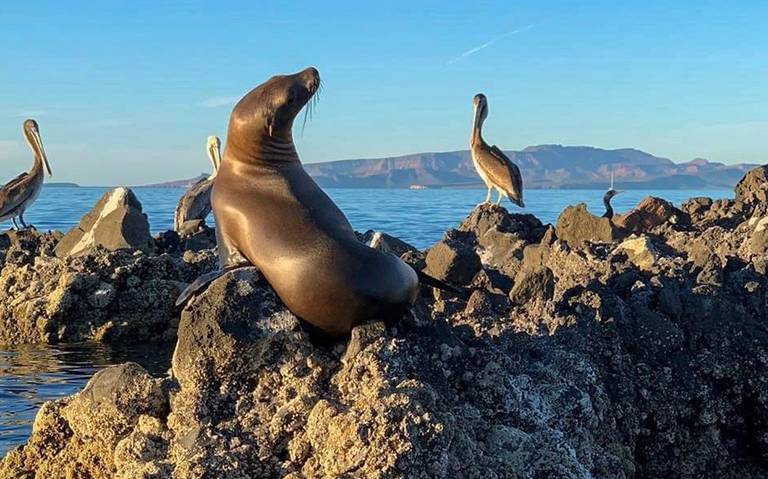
(270, 210)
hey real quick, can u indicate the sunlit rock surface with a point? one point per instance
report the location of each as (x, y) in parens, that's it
(116, 222)
(637, 357)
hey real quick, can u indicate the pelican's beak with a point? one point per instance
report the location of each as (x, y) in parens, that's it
(215, 156)
(476, 121)
(41, 151)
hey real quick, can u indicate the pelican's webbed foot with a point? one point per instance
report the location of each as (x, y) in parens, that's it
(24, 224)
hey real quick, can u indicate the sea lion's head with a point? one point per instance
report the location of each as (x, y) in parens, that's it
(266, 114)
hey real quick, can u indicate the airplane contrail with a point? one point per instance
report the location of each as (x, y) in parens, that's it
(487, 44)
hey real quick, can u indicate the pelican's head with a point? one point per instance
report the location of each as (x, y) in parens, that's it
(32, 136)
(481, 112)
(266, 114)
(213, 147)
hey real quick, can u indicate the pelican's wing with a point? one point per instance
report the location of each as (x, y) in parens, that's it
(177, 214)
(502, 172)
(195, 204)
(13, 194)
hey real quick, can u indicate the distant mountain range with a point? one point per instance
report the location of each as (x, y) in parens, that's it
(177, 183)
(544, 166)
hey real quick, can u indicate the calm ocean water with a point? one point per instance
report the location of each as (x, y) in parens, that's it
(31, 375)
(417, 216)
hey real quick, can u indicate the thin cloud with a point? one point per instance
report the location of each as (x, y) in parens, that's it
(487, 44)
(218, 101)
(24, 113)
(104, 123)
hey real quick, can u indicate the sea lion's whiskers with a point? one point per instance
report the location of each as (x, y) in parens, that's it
(349, 283)
(309, 111)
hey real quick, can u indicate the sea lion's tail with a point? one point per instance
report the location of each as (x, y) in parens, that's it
(428, 280)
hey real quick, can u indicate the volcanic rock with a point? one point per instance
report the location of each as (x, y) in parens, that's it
(576, 226)
(115, 223)
(640, 251)
(22, 247)
(115, 297)
(500, 236)
(532, 284)
(642, 359)
(648, 214)
(753, 188)
(452, 259)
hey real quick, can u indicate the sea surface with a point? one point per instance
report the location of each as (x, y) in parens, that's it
(31, 375)
(419, 217)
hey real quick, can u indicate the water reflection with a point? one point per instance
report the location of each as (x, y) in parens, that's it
(33, 374)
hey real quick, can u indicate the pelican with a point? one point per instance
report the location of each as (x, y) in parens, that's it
(607, 200)
(493, 166)
(196, 202)
(19, 193)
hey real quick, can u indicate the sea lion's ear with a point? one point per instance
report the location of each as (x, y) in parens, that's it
(270, 123)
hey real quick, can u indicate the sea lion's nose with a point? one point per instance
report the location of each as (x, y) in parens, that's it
(311, 75)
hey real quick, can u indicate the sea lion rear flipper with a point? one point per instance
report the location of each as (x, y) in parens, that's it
(424, 278)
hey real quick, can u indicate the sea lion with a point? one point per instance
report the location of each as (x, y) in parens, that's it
(270, 213)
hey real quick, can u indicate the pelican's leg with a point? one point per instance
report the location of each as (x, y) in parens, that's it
(23, 223)
(488, 197)
(501, 196)
(15, 225)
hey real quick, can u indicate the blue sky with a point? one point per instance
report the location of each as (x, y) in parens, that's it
(127, 92)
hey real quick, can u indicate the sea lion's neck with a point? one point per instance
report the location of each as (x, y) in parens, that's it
(265, 150)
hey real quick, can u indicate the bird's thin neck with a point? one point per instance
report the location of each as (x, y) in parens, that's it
(477, 130)
(37, 166)
(608, 207)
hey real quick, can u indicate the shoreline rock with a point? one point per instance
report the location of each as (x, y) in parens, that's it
(116, 222)
(573, 355)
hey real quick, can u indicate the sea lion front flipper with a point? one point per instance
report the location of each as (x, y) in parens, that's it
(229, 259)
(229, 256)
(201, 283)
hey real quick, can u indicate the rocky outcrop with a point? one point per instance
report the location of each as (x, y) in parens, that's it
(640, 251)
(648, 214)
(638, 358)
(500, 237)
(253, 396)
(116, 222)
(753, 188)
(116, 297)
(452, 259)
(106, 280)
(576, 226)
